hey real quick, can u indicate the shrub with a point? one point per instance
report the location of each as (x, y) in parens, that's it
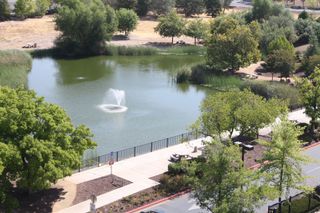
(303, 15)
(143, 7)
(127, 20)
(129, 51)
(183, 74)
(4, 10)
(199, 73)
(270, 90)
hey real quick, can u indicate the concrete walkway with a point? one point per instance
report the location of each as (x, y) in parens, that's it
(139, 170)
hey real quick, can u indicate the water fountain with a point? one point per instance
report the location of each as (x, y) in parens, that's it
(114, 101)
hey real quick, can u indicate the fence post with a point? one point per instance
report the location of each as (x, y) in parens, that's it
(117, 156)
(289, 210)
(134, 151)
(98, 160)
(151, 148)
(167, 143)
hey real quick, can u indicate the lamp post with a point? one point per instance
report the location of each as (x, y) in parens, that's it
(244, 148)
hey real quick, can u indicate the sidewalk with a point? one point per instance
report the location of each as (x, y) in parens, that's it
(139, 170)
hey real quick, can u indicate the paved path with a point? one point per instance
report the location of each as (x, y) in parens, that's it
(185, 204)
(139, 170)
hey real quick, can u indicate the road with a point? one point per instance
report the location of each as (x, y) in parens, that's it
(185, 204)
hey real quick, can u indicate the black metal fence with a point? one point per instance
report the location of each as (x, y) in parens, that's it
(138, 150)
(298, 203)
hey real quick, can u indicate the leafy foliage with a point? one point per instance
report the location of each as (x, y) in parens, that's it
(196, 29)
(127, 20)
(4, 10)
(85, 25)
(283, 158)
(310, 93)
(128, 4)
(170, 25)
(213, 7)
(39, 144)
(237, 110)
(163, 7)
(224, 185)
(143, 7)
(190, 7)
(25, 8)
(231, 45)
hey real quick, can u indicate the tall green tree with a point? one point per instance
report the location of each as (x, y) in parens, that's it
(190, 7)
(224, 185)
(171, 25)
(213, 7)
(197, 29)
(231, 46)
(38, 142)
(163, 7)
(143, 7)
(310, 92)
(41, 7)
(4, 10)
(25, 8)
(127, 20)
(226, 112)
(85, 26)
(283, 159)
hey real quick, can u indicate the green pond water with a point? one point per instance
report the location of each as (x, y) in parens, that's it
(157, 106)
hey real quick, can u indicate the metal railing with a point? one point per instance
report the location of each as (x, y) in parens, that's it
(298, 203)
(138, 150)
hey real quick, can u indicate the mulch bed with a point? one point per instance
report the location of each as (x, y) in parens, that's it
(134, 201)
(97, 187)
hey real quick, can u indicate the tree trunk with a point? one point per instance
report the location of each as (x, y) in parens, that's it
(271, 75)
(172, 40)
(195, 41)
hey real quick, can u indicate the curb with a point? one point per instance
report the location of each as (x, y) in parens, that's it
(158, 201)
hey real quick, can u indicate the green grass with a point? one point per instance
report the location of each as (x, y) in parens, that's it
(14, 68)
(113, 50)
(183, 50)
(223, 82)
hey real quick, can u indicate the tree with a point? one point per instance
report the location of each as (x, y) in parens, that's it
(170, 25)
(232, 46)
(143, 7)
(85, 26)
(127, 20)
(261, 9)
(283, 158)
(190, 7)
(128, 4)
(226, 112)
(38, 143)
(24, 8)
(163, 7)
(4, 10)
(213, 7)
(224, 185)
(41, 7)
(196, 29)
(310, 92)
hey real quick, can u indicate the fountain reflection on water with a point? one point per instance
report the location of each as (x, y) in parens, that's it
(114, 101)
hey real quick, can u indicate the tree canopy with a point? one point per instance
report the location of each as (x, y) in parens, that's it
(223, 184)
(226, 112)
(170, 25)
(38, 143)
(213, 7)
(127, 20)
(190, 7)
(196, 29)
(4, 10)
(85, 26)
(283, 158)
(231, 45)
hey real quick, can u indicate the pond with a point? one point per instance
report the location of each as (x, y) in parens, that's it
(157, 106)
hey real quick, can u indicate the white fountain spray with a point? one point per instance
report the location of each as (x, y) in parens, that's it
(114, 101)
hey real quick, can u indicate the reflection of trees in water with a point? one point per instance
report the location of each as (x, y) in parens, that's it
(77, 71)
(162, 63)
